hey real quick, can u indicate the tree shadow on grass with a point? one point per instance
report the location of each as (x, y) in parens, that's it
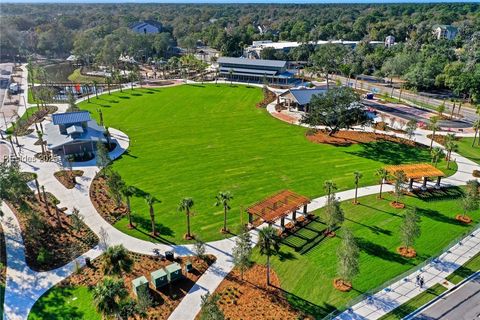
(143, 224)
(57, 300)
(440, 194)
(437, 216)
(136, 94)
(374, 249)
(124, 97)
(374, 229)
(391, 152)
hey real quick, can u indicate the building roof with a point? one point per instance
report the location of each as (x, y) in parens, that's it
(446, 27)
(173, 267)
(248, 71)
(303, 96)
(71, 117)
(416, 171)
(139, 281)
(74, 129)
(158, 273)
(140, 24)
(56, 139)
(253, 62)
(277, 206)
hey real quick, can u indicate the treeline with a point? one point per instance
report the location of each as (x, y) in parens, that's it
(56, 30)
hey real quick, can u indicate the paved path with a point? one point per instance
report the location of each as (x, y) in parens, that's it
(21, 292)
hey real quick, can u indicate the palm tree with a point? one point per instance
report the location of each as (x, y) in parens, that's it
(223, 199)
(40, 138)
(436, 153)
(329, 186)
(433, 125)
(151, 200)
(382, 174)
(269, 244)
(230, 74)
(450, 146)
(357, 175)
(47, 205)
(128, 192)
(107, 296)
(57, 212)
(95, 84)
(476, 126)
(186, 205)
(108, 80)
(116, 260)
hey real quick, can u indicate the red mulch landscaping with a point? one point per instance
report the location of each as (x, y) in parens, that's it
(268, 97)
(397, 205)
(251, 298)
(165, 299)
(407, 252)
(342, 285)
(22, 128)
(47, 246)
(284, 117)
(67, 177)
(103, 202)
(465, 219)
(346, 138)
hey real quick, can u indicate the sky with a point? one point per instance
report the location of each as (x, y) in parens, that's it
(234, 1)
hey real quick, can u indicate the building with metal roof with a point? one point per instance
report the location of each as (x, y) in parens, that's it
(299, 98)
(254, 70)
(73, 133)
(147, 27)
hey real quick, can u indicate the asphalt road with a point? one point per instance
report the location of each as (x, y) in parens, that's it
(468, 114)
(461, 304)
(418, 114)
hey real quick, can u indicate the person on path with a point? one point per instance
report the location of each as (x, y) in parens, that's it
(417, 281)
(422, 282)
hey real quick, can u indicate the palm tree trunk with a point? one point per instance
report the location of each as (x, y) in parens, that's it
(381, 187)
(152, 218)
(130, 224)
(225, 219)
(475, 138)
(268, 270)
(356, 191)
(57, 213)
(188, 224)
(448, 160)
(433, 137)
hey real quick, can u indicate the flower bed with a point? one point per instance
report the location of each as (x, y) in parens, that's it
(47, 245)
(67, 177)
(103, 202)
(407, 252)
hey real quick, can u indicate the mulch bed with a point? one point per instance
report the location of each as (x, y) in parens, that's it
(166, 299)
(67, 177)
(346, 138)
(397, 205)
(342, 285)
(441, 138)
(465, 219)
(23, 125)
(103, 201)
(407, 252)
(383, 126)
(268, 97)
(251, 298)
(43, 236)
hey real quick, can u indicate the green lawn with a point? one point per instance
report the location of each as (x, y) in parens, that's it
(65, 303)
(469, 268)
(307, 265)
(193, 141)
(415, 303)
(465, 149)
(77, 77)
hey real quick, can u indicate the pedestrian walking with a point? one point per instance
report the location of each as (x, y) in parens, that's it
(422, 282)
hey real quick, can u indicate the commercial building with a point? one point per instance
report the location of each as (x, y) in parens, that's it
(254, 70)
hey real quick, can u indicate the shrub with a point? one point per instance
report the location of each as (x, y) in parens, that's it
(43, 256)
(476, 173)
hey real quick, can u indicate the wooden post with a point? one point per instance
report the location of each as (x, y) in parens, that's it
(410, 185)
(294, 215)
(305, 209)
(424, 185)
(437, 185)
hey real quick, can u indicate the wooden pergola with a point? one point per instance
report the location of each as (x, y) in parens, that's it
(418, 172)
(278, 206)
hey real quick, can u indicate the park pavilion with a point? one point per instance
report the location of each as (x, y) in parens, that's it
(278, 206)
(418, 172)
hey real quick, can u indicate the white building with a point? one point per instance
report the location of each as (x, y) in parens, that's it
(389, 41)
(445, 32)
(255, 49)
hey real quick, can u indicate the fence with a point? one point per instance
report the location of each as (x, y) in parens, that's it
(387, 284)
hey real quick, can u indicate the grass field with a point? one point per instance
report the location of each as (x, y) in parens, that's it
(65, 303)
(465, 149)
(415, 303)
(194, 141)
(307, 271)
(469, 268)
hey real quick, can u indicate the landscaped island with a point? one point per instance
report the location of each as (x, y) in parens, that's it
(196, 140)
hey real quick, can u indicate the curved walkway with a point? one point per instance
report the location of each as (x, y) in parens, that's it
(25, 286)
